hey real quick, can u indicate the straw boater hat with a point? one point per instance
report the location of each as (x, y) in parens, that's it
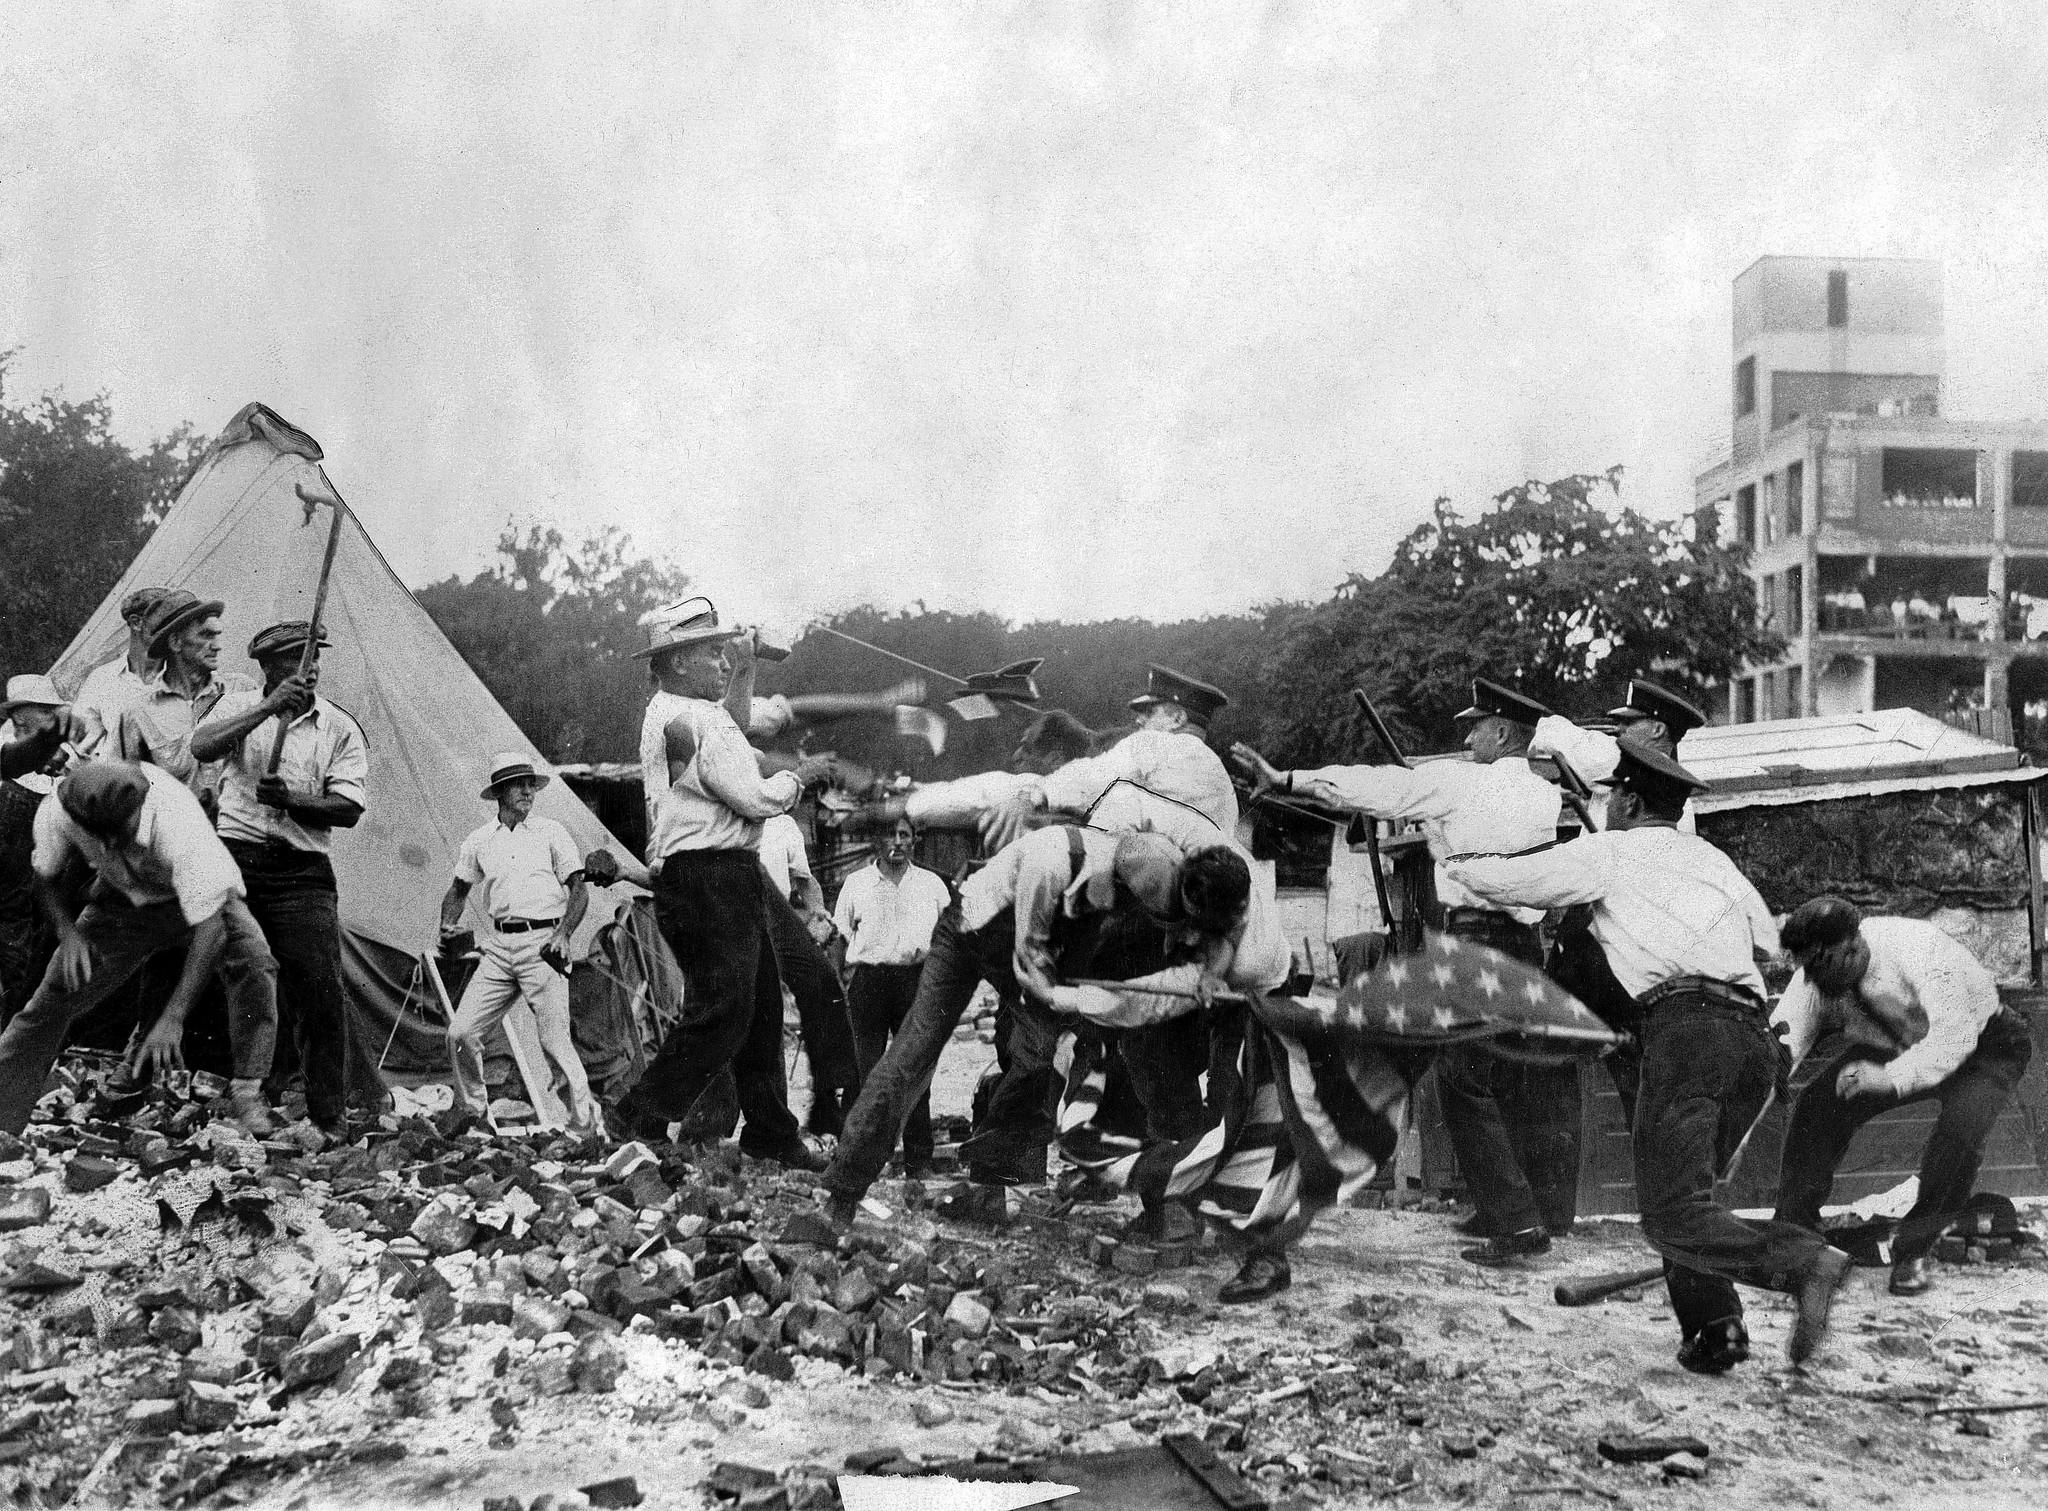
(689, 622)
(510, 766)
(31, 690)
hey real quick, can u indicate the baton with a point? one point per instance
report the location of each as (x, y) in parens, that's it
(1379, 726)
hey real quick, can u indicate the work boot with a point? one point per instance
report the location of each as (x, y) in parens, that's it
(794, 1155)
(1816, 1294)
(1502, 1252)
(1716, 1348)
(247, 1107)
(1260, 1276)
(1911, 1277)
(995, 1165)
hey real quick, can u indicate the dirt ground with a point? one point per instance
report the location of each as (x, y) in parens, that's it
(1524, 1386)
(1390, 1371)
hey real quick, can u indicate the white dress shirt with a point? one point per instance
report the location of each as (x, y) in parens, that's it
(174, 857)
(889, 922)
(1464, 807)
(717, 798)
(523, 872)
(1665, 904)
(324, 755)
(109, 691)
(782, 853)
(1925, 1000)
(1177, 764)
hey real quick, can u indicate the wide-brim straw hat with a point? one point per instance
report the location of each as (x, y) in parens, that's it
(693, 621)
(31, 690)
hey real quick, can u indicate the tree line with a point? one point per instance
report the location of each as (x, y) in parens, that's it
(1559, 588)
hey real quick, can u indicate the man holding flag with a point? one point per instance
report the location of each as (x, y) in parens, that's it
(1514, 1126)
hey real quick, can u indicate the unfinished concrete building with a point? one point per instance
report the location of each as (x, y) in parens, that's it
(1903, 555)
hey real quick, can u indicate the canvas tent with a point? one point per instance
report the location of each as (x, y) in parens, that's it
(240, 532)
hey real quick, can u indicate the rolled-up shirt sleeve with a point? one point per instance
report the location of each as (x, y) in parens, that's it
(1043, 872)
(203, 874)
(1555, 878)
(1591, 754)
(727, 766)
(348, 771)
(54, 851)
(1075, 786)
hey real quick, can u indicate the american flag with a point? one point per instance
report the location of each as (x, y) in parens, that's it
(1453, 991)
(1307, 1095)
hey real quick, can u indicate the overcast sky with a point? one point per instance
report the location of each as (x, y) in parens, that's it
(1076, 310)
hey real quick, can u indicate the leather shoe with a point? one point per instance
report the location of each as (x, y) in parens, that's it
(1911, 1277)
(1817, 1289)
(1498, 1253)
(1716, 1348)
(1260, 1276)
(796, 1155)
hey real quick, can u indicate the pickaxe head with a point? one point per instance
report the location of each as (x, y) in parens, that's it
(313, 499)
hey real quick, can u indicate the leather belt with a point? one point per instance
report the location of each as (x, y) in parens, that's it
(523, 925)
(1726, 993)
(1465, 917)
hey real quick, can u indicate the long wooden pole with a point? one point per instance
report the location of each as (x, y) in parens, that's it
(310, 652)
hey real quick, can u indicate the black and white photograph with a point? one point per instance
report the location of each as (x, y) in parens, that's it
(902, 755)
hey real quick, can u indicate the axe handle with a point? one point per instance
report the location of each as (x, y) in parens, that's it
(1599, 1287)
(311, 651)
(1379, 726)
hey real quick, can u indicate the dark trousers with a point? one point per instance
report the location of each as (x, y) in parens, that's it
(121, 937)
(1513, 1126)
(26, 938)
(292, 897)
(1153, 1088)
(959, 962)
(1971, 1099)
(1706, 1076)
(708, 904)
(820, 1009)
(879, 999)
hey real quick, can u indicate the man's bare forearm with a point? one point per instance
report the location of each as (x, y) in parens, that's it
(200, 956)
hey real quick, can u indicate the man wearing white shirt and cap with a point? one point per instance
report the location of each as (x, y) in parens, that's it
(1684, 930)
(707, 800)
(534, 896)
(163, 879)
(1168, 754)
(280, 827)
(887, 911)
(1922, 1019)
(1515, 1128)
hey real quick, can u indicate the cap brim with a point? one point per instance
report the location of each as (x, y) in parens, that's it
(697, 637)
(1474, 712)
(1627, 715)
(7, 709)
(1147, 700)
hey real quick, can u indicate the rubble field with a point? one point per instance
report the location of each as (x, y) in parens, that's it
(194, 1318)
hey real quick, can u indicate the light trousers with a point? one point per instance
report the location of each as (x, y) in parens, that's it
(512, 968)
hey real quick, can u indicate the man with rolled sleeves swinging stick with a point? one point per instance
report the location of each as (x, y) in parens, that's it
(1514, 1127)
(704, 834)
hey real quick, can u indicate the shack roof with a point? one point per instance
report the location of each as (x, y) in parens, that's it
(1843, 755)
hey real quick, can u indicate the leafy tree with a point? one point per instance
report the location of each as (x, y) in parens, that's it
(1549, 591)
(552, 633)
(75, 506)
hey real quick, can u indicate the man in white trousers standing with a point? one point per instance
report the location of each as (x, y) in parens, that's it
(534, 896)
